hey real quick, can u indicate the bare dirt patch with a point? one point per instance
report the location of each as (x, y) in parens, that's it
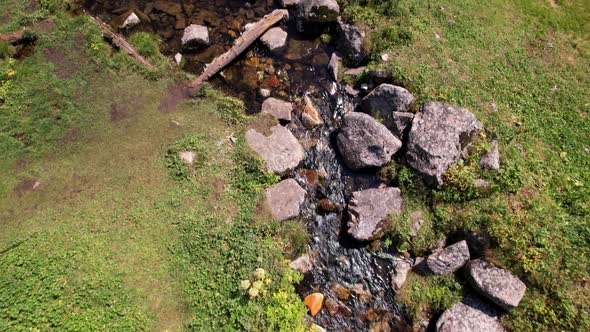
(175, 96)
(26, 185)
(127, 108)
(63, 68)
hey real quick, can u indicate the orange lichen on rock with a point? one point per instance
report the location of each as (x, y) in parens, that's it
(314, 303)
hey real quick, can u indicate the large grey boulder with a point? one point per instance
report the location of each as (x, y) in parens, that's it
(289, 3)
(275, 39)
(195, 36)
(386, 99)
(491, 160)
(316, 15)
(280, 109)
(285, 199)
(449, 259)
(369, 210)
(351, 43)
(280, 150)
(400, 123)
(469, 315)
(363, 142)
(498, 285)
(439, 136)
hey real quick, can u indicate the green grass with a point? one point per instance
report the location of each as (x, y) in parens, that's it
(119, 235)
(523, 67)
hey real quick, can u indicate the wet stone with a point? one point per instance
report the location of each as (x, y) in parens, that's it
(130, 21)
(275, 39)
(280, 109)
(285, 199)
(310, 116)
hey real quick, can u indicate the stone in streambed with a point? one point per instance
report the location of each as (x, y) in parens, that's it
(334, 66)
(130, 21)
(275, 39)
(319, 10)
(369, 210)
(314, 303)
(310, 116)
(280, 109)
(386, 99)
(399, 276)
(439, 137)
(469, 315)
(302, 264)
(285, 199)
(449, 259)
(363, 142)
(498, 285)
(280, 150)
(195, 36)
(351, 42)
(289, 3)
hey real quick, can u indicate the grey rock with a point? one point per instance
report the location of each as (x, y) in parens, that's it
(449, 259)
(491, 160)
(130, 21)
(416, 221)
(302, 264)
(334, 66)
(369, 210)
(363, 142)
(398, 278)
(469, 315)
(481, 184)
(275, 39)
(400, 123)
(351, 42)
(319, 11)
(280, 109)
(281, 151)
(498, 285)
(285, 199)
(195, 36)
(439, 137)
(387, 99)
(289, 3)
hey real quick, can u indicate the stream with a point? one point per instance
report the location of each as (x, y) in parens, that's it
(341, 265)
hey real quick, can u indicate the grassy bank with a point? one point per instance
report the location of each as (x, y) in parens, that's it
(523, 67)
(103, 227)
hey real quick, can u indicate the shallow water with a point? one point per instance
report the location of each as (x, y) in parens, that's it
(300, 69)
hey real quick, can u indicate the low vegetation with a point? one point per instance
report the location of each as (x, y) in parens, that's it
(104, 226)
(523, 68)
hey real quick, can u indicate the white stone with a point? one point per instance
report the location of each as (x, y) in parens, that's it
(274, 39)
(187, 156)
(178, 58)
(130, 21)
(195, 34)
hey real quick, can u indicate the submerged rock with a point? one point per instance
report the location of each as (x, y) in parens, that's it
(369, 210)
(351, 42)
(438, 138)
(281, 151)
(280, 109)
(449, 259)
(275, 39)
(498, 285)
(363, 142)
(314, 303)
(285, 199)
(469, 315)
(492, 159)
(195, 36)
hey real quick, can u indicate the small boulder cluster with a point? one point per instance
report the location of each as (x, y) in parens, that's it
(496, 288)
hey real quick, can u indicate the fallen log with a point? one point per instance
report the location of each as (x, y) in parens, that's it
(120, 42)
(240, 45)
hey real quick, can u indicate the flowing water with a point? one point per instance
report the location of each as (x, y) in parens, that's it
(341, 266)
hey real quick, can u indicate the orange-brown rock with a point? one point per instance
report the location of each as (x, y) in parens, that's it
(332, 306)
(314, 303)
(341, 292)
(310, 117)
